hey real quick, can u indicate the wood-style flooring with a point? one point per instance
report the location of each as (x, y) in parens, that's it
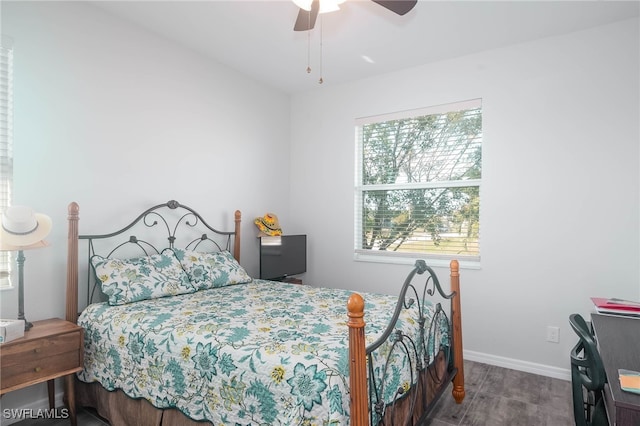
(498, 396)
(494, 397)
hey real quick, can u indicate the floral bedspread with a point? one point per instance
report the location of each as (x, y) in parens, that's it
(261, 353)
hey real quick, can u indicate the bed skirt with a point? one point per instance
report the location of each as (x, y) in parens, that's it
(120, 410)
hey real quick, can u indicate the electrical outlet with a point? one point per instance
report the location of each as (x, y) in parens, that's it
(553, 334)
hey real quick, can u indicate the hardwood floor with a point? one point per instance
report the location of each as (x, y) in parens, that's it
(494, 397)
(498, 396)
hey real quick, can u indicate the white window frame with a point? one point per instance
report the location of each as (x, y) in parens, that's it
(360, 254)
(6, 146)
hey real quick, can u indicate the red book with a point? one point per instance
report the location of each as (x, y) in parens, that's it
(616, 306)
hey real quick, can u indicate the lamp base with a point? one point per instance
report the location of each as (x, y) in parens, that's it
(27, 324)
(20, 260)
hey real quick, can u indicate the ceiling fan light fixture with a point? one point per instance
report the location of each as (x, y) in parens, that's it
(303, 4)
(325, 5)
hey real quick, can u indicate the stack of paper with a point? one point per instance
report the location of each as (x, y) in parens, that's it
(616, 306)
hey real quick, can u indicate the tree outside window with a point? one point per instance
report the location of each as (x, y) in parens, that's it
(418, 184)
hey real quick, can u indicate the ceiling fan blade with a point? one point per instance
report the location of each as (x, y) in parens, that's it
(398, 6)
(306, 19)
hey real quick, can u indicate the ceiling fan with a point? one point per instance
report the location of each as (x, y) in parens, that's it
(309, 10)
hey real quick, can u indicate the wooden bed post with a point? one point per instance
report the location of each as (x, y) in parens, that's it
(236, 242)
(71, 302)
(359, 410)
(72, 265)
(456, 317)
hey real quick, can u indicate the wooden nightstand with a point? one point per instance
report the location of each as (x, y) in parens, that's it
(50, 349)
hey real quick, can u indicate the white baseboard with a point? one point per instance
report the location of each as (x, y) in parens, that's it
(516, 364)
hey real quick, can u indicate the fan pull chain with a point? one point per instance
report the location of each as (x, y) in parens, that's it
(309, 45)
(320, 81)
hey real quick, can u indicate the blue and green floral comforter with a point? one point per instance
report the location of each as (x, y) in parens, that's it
(261, 353)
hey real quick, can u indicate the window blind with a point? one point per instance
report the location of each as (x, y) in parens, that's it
(6, 142)
(417, 189)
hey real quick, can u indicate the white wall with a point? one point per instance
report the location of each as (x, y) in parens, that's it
(560, 194)
(109, 115)
(118, 120)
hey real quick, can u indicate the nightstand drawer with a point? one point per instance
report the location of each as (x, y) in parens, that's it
(40, 359)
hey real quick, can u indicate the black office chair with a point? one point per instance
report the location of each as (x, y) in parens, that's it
(587, 377)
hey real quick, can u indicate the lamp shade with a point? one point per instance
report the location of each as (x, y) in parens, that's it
(22, 228)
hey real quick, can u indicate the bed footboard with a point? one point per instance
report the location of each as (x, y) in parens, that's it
(432, 379)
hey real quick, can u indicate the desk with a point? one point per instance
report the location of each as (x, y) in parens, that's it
(618, 340)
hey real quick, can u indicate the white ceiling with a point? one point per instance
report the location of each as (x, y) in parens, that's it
(257, 37)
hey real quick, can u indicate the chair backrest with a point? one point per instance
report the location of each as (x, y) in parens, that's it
(585, 354)
(587, 371)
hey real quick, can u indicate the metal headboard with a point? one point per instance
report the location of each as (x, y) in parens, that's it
(167, 225)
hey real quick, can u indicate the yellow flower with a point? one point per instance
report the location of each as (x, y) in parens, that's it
(275, 348)
(186, 351)
(277, 374)
(406, 386)
(141, 380)
(121, 340)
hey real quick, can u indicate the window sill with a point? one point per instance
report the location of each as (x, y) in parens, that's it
(411, 260)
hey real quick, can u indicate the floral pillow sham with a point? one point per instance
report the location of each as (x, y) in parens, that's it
(150, 277)
(211, 269)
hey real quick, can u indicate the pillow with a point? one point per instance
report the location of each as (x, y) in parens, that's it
(211, 270)
(131, 280)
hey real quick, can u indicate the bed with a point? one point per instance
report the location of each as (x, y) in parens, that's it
(177, 333)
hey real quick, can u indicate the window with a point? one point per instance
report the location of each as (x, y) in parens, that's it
(418, 176)
(6, 140)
